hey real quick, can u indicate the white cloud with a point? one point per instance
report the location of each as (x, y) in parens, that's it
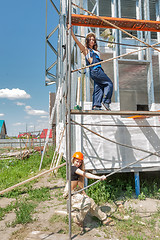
(1, 114)
(31, 126)
(18, 124)
(20, 104)
(44, 117)
(14, 93)
(42, 121)
(29, 110)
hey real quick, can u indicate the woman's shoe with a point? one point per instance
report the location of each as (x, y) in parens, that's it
(106, 106)
(96, 108)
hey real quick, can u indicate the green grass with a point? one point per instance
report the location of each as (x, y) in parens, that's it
(117, 187)
(122, 186)
(21, 190)
(40, 194)
(62, 170)
(15, 171)
(136, 227)
(24, 210)
(56, 218)
(135, 237)
(5, 210)
(151, 188)
(64, 224)
(59, 195)
(24, 207)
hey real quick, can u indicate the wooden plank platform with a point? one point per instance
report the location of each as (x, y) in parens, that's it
(111, 113)
(124, 23)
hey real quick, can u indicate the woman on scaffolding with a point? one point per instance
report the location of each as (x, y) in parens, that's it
(81, 203)
(103, 86)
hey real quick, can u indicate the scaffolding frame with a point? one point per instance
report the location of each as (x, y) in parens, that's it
(65, 55)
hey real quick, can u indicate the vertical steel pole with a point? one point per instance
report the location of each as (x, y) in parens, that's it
(119, 32)
(158, 34)
(97, 13)
(20, 147)
(67, 130)
(69, 115)
(87, 75)
(150, 83)
(115, 53)
(66, 95)
(46, 44)
(139, 33)
(40, 142)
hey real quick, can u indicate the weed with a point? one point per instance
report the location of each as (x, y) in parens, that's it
(150, 185)
(66, 219)
(41, 194)
(23, 212)
(18, 172)
(97, 235)
(62, 170)
(142, 196)
(62, 231)
(122, 187)
(59, 195)
(130, 210)
(135, 237)
(14, 171)
(153, 220)
(64, 222)
(129, 191)
(56, 218)
(5, 210)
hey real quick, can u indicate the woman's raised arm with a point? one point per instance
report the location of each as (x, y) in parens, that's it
(80, 45)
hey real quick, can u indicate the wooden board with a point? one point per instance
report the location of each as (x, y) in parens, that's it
(124, 23)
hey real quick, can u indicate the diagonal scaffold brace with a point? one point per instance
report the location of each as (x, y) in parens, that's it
(50, 124)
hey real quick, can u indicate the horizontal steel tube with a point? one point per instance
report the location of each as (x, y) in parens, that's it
(124, 113)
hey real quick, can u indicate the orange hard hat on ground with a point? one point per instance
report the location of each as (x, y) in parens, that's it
(78, 155)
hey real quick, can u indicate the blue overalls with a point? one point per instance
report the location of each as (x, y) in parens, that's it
(103, 86)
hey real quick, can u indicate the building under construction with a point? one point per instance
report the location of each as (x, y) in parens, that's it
(125, 139)
(128, 33)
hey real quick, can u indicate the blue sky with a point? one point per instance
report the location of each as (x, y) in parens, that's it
(24, 98)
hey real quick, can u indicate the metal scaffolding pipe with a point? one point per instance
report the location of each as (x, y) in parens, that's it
(134, 114)
(117, 125)
(55, 7)
(69, 113)
(66, 75)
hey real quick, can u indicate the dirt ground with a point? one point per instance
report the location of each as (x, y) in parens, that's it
(43, 228)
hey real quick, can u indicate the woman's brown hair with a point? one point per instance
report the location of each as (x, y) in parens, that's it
(81, 178)
(89, 35)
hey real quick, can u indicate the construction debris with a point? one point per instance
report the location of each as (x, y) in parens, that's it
(17, 154)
